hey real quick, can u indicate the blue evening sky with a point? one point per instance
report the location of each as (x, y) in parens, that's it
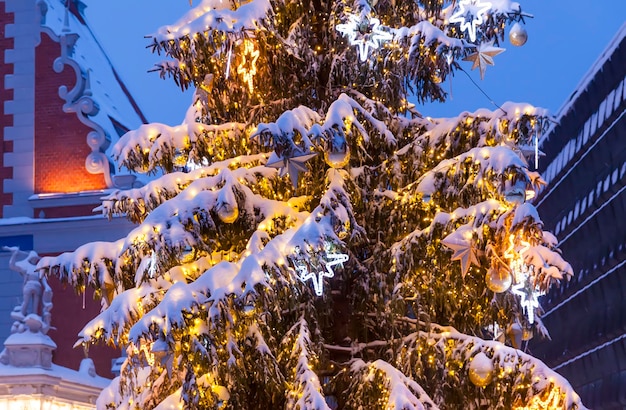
(565, 39)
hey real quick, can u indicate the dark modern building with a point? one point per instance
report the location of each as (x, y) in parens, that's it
(585, 206)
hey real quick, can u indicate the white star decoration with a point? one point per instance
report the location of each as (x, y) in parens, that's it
(464, 250)
(364, 33)
(323, 269)
(528, 297)
(470, 9)
(291, 165)
(483, 57)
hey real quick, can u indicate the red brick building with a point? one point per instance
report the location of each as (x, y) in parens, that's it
(62, 105)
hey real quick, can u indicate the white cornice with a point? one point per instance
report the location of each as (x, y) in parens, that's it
(84, 389)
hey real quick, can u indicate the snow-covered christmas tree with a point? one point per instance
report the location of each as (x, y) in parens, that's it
(309, 239)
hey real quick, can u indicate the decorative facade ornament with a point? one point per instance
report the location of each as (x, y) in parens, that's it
(28, 345)
(34, 312)
(79, 100)
(28, 350)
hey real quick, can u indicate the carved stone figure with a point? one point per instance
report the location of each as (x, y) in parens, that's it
(29, 345)
(34, 313)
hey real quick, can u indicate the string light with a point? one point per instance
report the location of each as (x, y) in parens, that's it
(247, 67)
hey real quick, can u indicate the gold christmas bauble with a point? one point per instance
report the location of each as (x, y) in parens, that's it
(338, 158)
(228, 213)
(498, 280)
(518, 35)
(481, 370)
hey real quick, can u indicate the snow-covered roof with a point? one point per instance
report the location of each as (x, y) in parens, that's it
(12, 374)
(114, 101)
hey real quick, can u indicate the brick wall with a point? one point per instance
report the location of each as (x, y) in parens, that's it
(60, 138)
(69, 316)
(5, 95)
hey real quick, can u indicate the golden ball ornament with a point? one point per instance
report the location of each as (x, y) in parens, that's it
(228, 213)
(338, 158)
(518, 35)
(498, 280)
(481, 370)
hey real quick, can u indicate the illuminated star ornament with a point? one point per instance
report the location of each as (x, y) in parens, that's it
(364, 33)
(318, 270)
(528, 297)
(247, 68)
(462, 245)
(469, 15)
(483, 57)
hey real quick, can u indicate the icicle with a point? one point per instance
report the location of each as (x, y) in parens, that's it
(536, 151)
(449, 59)
(152, 266)
(66, 18)
(230, 53)
(84, 299)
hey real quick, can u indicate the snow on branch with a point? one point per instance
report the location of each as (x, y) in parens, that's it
(515, 372)
(427, 34)
(549, 266)
(212, 15)
(460, 219)
(137, 203)
(514, 123)
(340, 117)
(336, 204)
(291, 123)
(482, 168)
(158, 145)
(90, 264)
(400, 392)
(227, 280)
(299, 359)
(117, 318)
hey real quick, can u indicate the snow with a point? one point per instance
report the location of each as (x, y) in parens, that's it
(188, 214)
(211, 15)
(492, 161)
(56, 372)
(402, 390)
(23, 220)
(430, 34)
(307, 387)
(299, 120)
(511, 360)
